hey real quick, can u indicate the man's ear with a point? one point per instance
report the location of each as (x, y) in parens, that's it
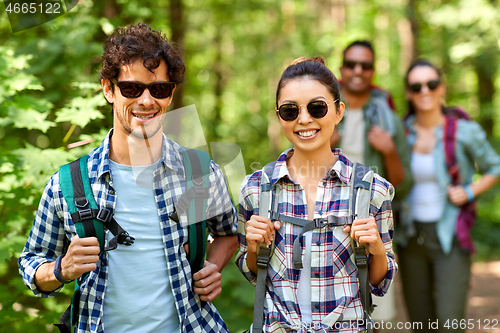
(108, 91)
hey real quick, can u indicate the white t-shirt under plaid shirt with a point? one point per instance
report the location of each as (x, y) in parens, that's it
(335, 297)
(53, 228)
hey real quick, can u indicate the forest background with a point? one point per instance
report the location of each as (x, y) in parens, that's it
(235, 52)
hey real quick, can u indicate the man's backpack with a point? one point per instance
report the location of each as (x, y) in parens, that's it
(359, 207)
(90, 220)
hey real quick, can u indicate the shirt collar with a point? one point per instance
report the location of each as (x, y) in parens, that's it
(170, 158)
(340, 170)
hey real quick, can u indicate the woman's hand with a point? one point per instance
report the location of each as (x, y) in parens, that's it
(457, 195)
(260, 230)
(365, 231)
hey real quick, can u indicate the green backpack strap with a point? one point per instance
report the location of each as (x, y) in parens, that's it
(359, 204)
(197, 171)
(75, 187)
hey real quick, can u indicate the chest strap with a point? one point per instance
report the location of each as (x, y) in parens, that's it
(308, 225)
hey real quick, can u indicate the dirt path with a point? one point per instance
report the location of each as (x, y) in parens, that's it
(484, 300)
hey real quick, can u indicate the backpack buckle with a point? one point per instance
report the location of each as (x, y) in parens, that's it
(198, 182)
(104, 215)
(125, 239)
(85, 214)
(200, 192)
(81, 202)
(263, 257)
(319, 223)
(360, 257)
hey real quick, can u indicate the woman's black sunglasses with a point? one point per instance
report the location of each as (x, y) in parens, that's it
(417, 87)
(134, 89)
(290, 111)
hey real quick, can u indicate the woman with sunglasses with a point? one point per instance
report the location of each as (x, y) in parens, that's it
(313, 182)
(435, 259)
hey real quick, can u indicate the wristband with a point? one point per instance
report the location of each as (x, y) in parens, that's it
(57, 270)
(470, 194)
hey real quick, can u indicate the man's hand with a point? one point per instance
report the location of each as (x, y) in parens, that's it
(82, 256)
(207, 282)
(381, 140)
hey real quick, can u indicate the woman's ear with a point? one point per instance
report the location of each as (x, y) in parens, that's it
(108, 91)
(340, 113)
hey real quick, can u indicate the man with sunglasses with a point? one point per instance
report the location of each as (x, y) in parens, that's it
(147, 286)
(371, 133)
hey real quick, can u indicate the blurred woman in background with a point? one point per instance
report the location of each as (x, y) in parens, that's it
(447, 149)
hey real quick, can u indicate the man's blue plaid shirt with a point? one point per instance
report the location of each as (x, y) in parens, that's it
(53, 228)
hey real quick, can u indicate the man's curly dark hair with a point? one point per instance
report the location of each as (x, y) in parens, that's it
(140, 42)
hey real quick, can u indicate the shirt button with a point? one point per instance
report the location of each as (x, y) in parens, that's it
(318, 243)
(98, 298)
(320, 212)
(316, 275)
(111, 192)
(324, 183)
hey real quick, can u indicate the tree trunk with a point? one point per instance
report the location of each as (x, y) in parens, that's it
(413, 17)
(486, 66)
(177, 24)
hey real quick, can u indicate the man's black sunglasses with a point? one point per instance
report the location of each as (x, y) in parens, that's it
(365, 65)
(134, 89)
(417, 87)
(290, 111)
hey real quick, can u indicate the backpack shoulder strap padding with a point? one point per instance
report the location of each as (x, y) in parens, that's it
(75, 187)
(359, 204)
(197, 171)
(264, 252)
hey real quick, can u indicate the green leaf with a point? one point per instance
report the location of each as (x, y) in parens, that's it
(21, 81)
(30, 119)
(39, 164)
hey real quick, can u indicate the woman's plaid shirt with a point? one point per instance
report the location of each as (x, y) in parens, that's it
(53, 227)
(335, 297)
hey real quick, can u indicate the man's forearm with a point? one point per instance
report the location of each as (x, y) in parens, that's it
(394, 168)
(221, 250)
(45, 279)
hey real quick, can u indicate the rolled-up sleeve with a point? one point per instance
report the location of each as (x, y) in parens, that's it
(485, 157)
(222, 213)
(244, 214)
(382, 211)
(45, 242)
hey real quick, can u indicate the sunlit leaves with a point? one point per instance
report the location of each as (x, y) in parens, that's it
(82, 110)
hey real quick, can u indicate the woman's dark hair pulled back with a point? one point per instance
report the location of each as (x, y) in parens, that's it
(314, 69)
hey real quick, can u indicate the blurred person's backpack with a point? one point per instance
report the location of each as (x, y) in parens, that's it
(468, 213)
